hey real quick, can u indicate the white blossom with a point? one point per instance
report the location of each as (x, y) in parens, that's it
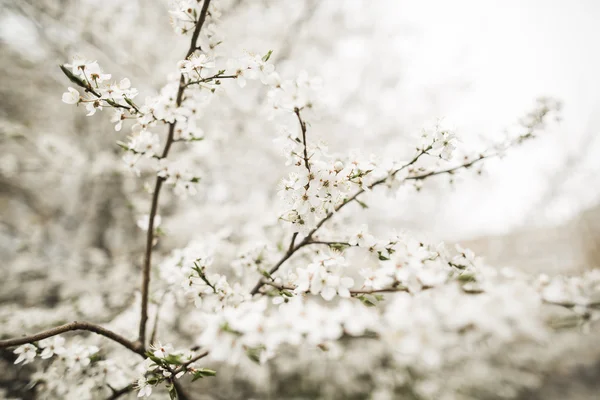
(26, 352)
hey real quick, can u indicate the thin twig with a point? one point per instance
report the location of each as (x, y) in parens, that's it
(291, 246)
(121, 392)
(451, 170)
(158, 185)
(359, 292)
(308, 238)
(210, 78)
(330, 243)
(303, 129)
(75, 326)
(184, 366)
(181, 393)
(156, 318)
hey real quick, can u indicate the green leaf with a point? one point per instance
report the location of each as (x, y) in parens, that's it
(254, 353)
(467, 278)
(267, 56)
(266, 274)
(378, 297)
(172, 392)
(202, 372)
(153, 381)
(366, 301)
(73, 78)
(95, 357)
(338, 246)
(173, 359)
(362, 204)
(112, 103)
(130, 102)
(382, 257)
(157, 360)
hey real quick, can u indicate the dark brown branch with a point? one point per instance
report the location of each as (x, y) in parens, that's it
(194, 41)
(330, 243)
(121, 392)
(156, 318)
(158, 185)
(308, 238)
(210, 78)
(291, 250)
(76, 326)
(181, 393)
(303, 128)
(570, 304)
(148, 260)
(291, 246)
(352, 292)
(450, 170)
(184, 366)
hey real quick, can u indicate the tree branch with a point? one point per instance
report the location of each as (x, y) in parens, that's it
(303, 128)
(451, 170)
(137, 348)
(353, 293)
(308, 238)
(158, 185)
(184, 366)
(121, 392)
(210, 78)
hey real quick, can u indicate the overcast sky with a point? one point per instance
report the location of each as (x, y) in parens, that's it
(509, 53)
(501, 55)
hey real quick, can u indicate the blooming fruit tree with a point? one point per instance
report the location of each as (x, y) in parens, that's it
(308, 282)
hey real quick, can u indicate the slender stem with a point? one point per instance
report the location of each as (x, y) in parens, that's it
(352, 292)
(121, 392)
(156, 318)
(330, 243)
(308, 238)
(153, 210)
(451, 170)
(148, 261)
(303, 129)
(570, 304)
(181, 393)
(210, 78)
(287, 255)
(184, 366)
(291, 246)
(76, 326)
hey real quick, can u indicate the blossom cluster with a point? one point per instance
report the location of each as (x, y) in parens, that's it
(419, 329)
(72, 371)
(143, 144)
(257, 329)
(189, 274)
(314, 292)
(257, 257)
(166, 364)
(578, 292)
(184, 15)
(100, 91)
(302, 92)
(321, 183)
(76, 356)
